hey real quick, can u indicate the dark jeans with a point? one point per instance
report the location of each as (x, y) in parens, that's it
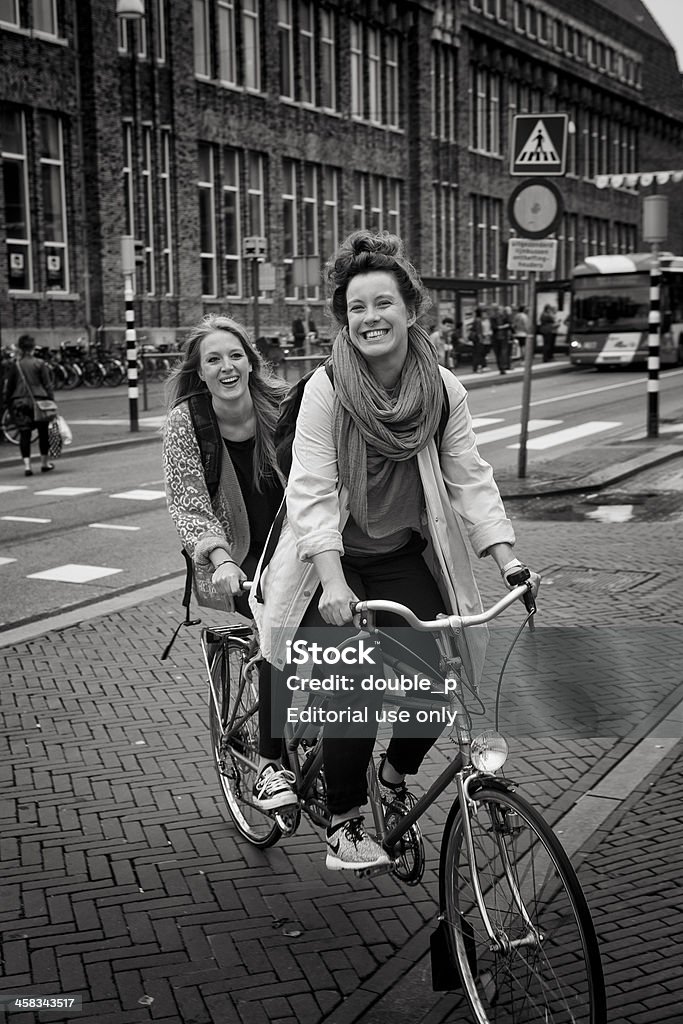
(23, 416)
(549, 347)
(501, 347)
(479, 350)
(401, 576)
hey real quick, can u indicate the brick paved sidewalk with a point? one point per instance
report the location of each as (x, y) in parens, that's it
(125, 883)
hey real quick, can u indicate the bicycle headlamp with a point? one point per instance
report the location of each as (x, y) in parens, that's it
(488, 751)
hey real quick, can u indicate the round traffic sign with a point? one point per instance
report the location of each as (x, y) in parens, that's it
(535, 208)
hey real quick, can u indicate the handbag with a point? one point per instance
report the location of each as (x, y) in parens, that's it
(54, 439)
(43, 408)
(64, 430)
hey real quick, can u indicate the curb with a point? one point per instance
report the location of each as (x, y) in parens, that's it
(596, 480)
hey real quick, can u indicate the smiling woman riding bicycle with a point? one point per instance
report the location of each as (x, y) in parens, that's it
(374, 510)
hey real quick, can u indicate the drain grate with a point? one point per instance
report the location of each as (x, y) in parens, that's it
(584, 578)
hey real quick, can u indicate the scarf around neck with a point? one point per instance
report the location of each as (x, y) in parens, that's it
(396, 424)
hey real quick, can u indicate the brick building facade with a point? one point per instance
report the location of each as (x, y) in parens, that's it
(211, 121)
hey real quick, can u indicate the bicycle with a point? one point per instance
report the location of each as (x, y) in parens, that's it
(10, 430)
(515, 931)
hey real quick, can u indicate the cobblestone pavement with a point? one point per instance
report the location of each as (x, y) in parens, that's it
(125, 883)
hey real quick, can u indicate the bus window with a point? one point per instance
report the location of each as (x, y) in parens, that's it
(599, 305)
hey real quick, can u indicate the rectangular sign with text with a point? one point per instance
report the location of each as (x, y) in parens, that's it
(532, 254)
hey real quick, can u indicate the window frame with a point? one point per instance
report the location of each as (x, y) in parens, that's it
(209, 185)
(25, 243)
(63, 246)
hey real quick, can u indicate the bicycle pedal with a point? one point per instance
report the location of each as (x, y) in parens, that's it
(287, 818)
(378, 869)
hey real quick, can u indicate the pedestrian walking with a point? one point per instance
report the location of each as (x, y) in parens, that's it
(502, 337)
(437, 339)
(476, 336)
(298, 335)
(29, 381)
(224, 534)
(548, 332)
(377, 507)
(520, 327)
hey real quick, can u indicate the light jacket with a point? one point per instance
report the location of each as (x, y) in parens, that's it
(462, 502)
(203, 524)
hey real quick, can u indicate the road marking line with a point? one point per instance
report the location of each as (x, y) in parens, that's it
(570, 434)
(68, 492)
(153, 422)
(500, 433)
(12, 487)
(637, 382)
(140, 495)
(111, 526)
(74, 573)
(485, 421)
(6, 561)
(25, 519)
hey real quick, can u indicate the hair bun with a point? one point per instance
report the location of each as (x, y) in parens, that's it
(380, 241)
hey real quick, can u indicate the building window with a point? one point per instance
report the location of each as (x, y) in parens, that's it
(289, 220)
(45, 17)
(486, 216)
(15, 190)
(307, 51)
(166, 238)
(286, 39)
(330, 234)
(128, 180)
(132, 33)
(310, 220)
(9, 13)
(444, 87)
(202, 38)
(376, 202)
(148, 208)
(256, 193)
(207, 220)
(328, 75)
(232, 240)
(54, 203)
(227, 53)
(374, 77)
(160, 32)
(444, 196)
(356, 52)
(391, 91)
(485, 90)
(251, 42)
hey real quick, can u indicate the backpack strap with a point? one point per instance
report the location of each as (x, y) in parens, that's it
(443, 420)
(208, 438)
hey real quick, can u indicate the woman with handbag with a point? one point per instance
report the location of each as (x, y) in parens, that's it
(29, 385)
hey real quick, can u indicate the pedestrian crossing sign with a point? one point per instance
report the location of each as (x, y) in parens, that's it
(538, 144)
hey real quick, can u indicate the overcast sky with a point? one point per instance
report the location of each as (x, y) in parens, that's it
(669, 16)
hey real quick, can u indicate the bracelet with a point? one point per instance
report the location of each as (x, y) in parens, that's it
(226, 561)
(512, 564)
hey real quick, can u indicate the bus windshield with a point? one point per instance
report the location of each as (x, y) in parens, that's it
(612, 302)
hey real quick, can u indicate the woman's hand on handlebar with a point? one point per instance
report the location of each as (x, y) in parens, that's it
(518, 574)
(228, 579)
(337, 603)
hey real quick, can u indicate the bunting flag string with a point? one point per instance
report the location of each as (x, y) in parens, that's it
(643, 178)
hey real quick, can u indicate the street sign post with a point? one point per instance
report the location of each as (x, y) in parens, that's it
(254, 248)
(538, 144)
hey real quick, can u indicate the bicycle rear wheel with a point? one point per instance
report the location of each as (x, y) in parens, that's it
(233, 702)
(544, 963)
(11, 431)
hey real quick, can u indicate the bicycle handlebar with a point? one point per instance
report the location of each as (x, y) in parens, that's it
(446, 622)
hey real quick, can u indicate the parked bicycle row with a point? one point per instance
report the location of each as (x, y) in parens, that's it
(94, 366)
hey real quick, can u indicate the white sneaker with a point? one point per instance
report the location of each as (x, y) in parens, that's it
(349, 846)
(273, 788)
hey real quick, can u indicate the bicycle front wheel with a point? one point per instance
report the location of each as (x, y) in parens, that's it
(543, 962)
(233, 703)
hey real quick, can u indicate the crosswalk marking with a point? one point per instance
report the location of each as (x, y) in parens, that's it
(6, 561)
(485, 421)
(25, 519)
(4, 488)
(569, 434)
(72, 572)
(140, 495)
(68, 492)
(500, 433)
(111, 526)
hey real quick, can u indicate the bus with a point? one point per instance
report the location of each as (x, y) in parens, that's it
(610, 308)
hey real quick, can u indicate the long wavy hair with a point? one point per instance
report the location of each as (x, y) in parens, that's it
(364, 251)
(266, 388)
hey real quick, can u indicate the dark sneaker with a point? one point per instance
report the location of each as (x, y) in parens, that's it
(349, 846)
(273, 788)
(395, 796)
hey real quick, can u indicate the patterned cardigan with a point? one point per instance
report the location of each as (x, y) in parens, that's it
(202, 524)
